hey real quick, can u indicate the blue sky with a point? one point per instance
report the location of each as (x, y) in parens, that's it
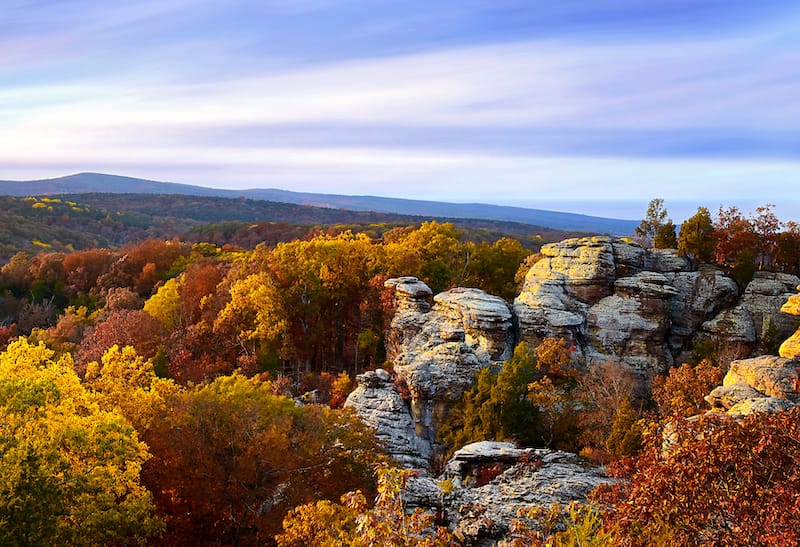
(587, 106)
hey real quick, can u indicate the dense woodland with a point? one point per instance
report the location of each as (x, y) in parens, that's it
(150, 389)
(87, 221)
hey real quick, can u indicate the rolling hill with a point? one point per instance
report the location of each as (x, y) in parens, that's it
(85, 183)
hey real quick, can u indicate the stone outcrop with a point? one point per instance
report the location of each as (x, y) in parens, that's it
(772, 376)
(701, 295)
(412, 300)
(613, 300)
(489, 483)
(632, 324)
(732, 329)
(791, 346)
(766, 383)
(486, 320)
(379, 404)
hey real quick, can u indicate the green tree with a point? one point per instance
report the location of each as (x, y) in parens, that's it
(492, 267)
(626, 434)
(697, 240)
(665, 237)
(527, 401)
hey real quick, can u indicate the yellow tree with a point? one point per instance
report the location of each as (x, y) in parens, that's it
(254, 314)
(433, 252)
(165, 304)
(125, 382)
(69, 471)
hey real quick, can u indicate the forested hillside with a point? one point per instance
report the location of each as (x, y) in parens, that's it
(188, 390)
(84, 221)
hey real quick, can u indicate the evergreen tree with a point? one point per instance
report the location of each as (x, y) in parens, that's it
(696, 239)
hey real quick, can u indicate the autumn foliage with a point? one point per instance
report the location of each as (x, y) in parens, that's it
(710, 481)
(354, 523)
(176, 394)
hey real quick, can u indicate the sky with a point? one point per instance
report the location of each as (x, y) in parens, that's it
(575, 105)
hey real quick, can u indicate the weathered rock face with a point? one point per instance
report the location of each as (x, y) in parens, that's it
(791, 347)
(412, 300)
(732, 331)
(486, 320)
(766, 383)
(493, 481)
(632, 324)
(665, 261)
(613, 300)
(380, 405)
(772, 376)
(766, 293)
(701, 295)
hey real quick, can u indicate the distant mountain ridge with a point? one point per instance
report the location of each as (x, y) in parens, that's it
(82, 183)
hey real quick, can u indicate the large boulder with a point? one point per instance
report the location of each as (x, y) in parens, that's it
(666, 261)
(573, 275)
(412, 303)
(770, 375)
(381, 406)
(486, 320)
(732, 332)
(586, 266)
(545, 309)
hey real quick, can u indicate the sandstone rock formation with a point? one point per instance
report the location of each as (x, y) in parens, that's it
(766, 293)
(613, 301)
(791, 347)
(766, 383)
(609, 298)
(772, 376)
(632, 324)
(761, 384)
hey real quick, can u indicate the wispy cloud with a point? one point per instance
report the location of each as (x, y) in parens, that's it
(530, 102)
